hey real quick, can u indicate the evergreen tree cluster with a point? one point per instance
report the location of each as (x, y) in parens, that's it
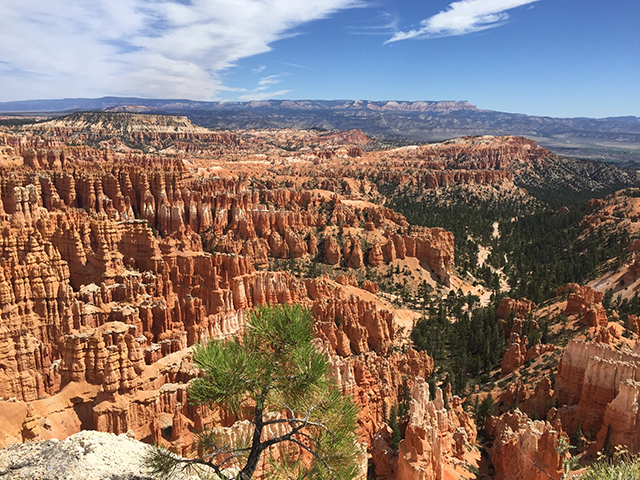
(546, 250)
(470, 220)
(540, 246)
(463, 345)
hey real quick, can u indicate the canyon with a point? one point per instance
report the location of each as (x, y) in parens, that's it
(129, 238)
(115, 265)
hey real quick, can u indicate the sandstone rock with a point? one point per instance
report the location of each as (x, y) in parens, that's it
(515, 355)
(587, 302)
(590, 377)
(539, 349)
(331, 250)
(31, 425)
(347, 280)
(375, 256)
(621, 418)
(523, 448)
(385, 458)
(537, 405)
(297, 246)
(313, 245)
(520, 307)
(353, 253)
(370, 286)
(390, 251)
(432, 435)
(365, 325)
(113, 263)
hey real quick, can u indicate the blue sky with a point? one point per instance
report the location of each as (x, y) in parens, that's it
(563, 58)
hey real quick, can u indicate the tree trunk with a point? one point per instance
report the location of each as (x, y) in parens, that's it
(256, 445)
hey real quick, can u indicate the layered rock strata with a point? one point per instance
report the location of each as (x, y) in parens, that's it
(599, 387)
(113, 263)
(434, 435)
(524, 449)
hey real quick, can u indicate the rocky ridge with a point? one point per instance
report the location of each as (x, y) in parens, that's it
(608, 138)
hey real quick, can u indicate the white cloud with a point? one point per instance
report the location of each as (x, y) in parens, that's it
(465, 16)
(151, 48)
(271, 80)
(387, 23)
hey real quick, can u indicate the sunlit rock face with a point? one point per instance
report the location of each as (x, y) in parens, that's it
(598, 384)
(114, 263)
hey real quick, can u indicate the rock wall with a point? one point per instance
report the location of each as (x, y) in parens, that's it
(524, 449)
(598, 387)
(433, 436)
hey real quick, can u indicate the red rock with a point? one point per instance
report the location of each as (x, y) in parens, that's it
(353, 253)
(433, 436)
(313, 245)
(390, 251)
(523, 448)
(31, 425)
(515, 355)
(590, 377)
(385, 458)
(347, 280)
(585, 301)
(537, 405)
(112, 264)
(621, 418)
(331, 250)
(375, 256)
(521, 307)
(370, 286)
(539, 349)
(297, 246)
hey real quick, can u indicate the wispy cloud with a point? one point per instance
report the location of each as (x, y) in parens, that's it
(465, 16)
(387, 23)
(304, 67)
(270, 80)
(152, 48)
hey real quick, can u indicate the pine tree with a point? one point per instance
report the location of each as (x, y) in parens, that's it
(486, 409)
(274, 368)
(396, 435)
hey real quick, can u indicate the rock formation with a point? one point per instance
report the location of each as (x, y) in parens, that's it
(598, 387)
(587, 302)
(433, 436)
(115, 261)
(520, 308)
(83, 455)
(524, 449)
(515, 355)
